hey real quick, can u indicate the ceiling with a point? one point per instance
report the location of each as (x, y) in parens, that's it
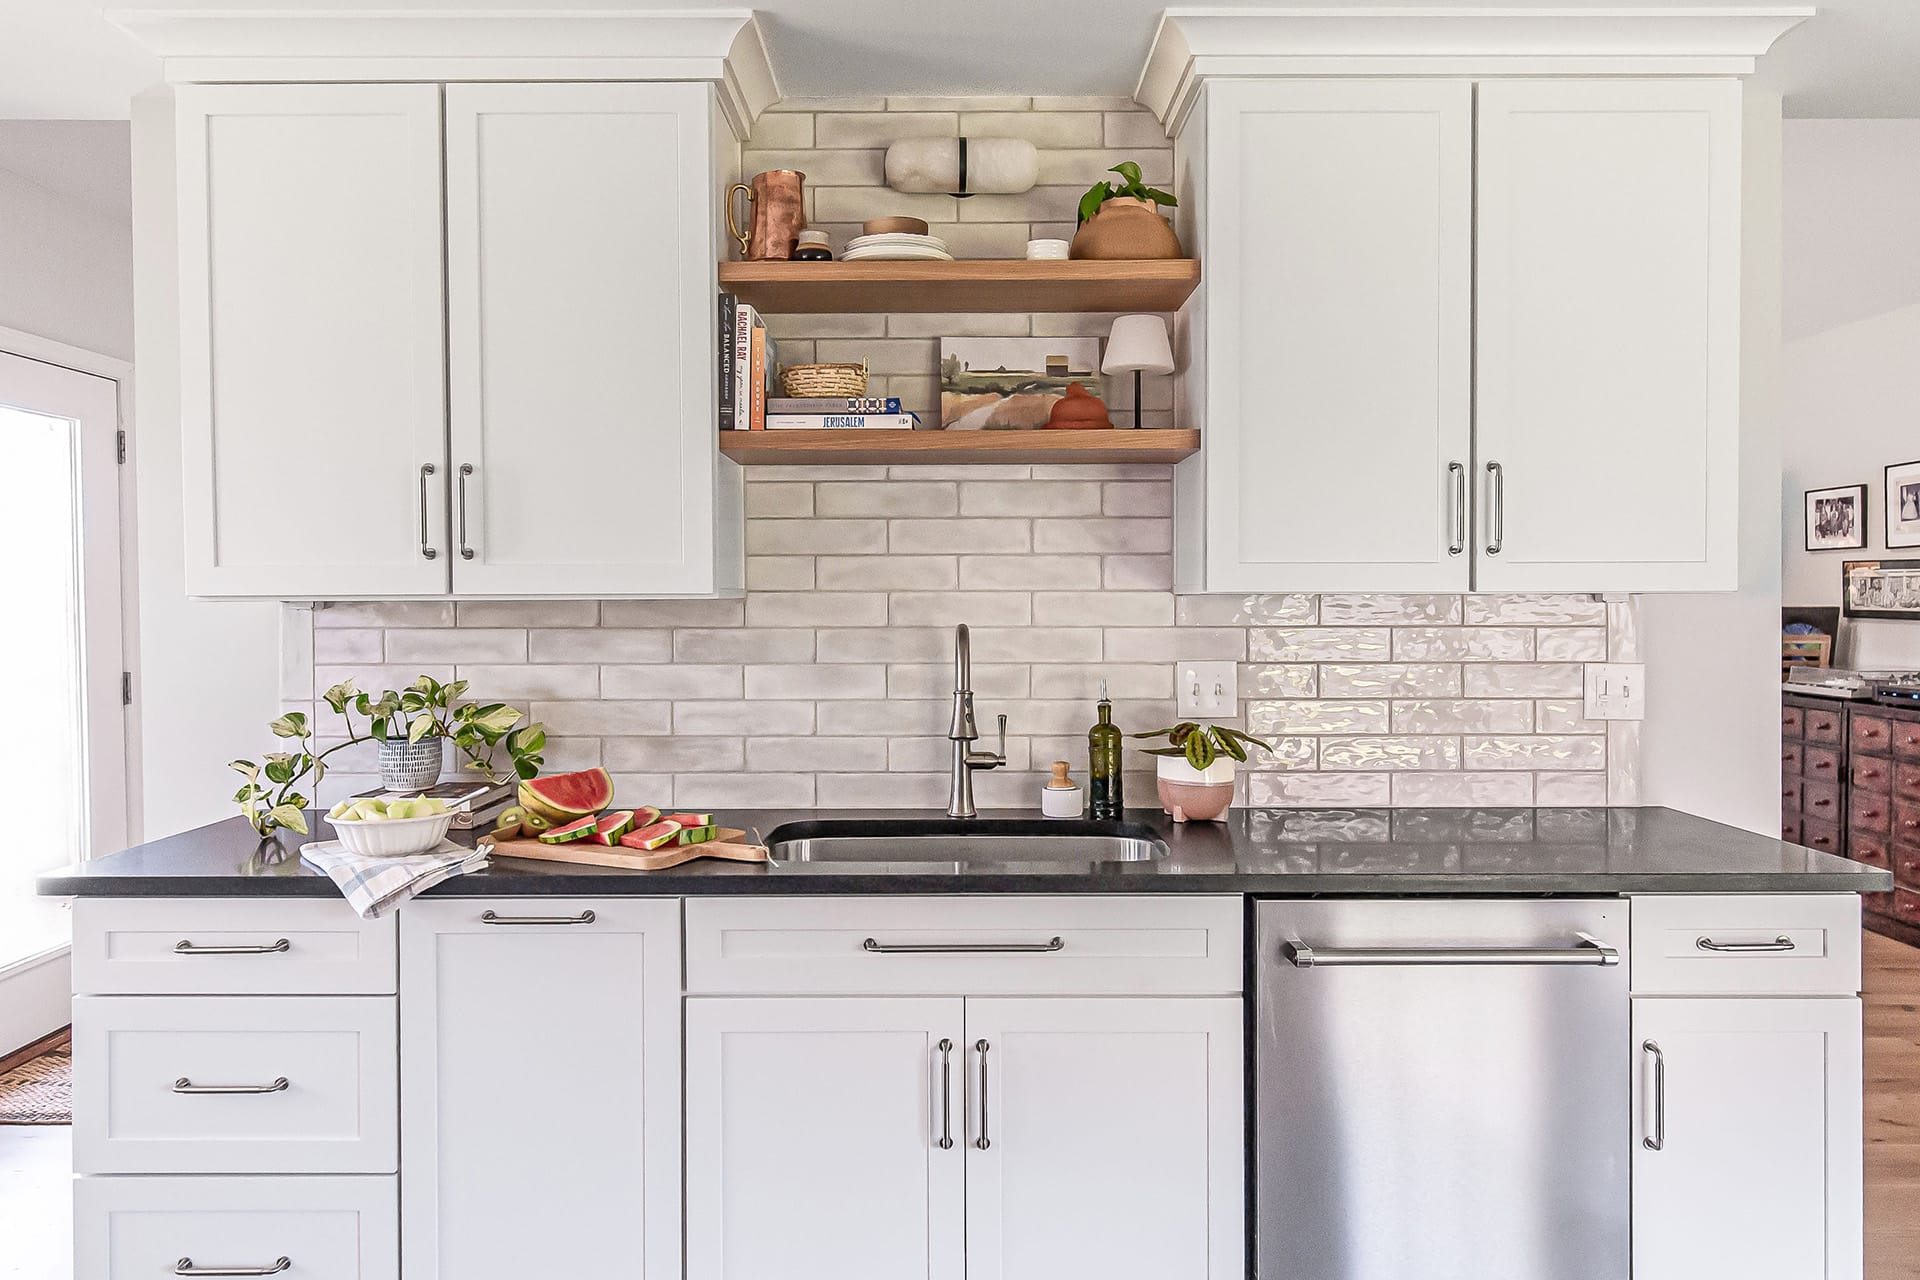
(60, 59)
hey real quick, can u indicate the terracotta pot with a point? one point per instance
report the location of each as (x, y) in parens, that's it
(1124, 227)
(1194, 795)
(779, 215)
(1078, 410)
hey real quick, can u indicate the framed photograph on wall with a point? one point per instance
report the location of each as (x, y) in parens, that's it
(1837, 518)
(1903, 505)
(1880, 589)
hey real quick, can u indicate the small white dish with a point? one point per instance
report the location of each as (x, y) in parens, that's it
(1046, 250)
(897, 239)
(889, 253)
(392, 837)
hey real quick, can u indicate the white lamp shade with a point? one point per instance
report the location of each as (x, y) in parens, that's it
(1138, 343)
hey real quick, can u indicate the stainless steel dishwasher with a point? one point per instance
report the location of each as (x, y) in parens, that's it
(1442, 1090)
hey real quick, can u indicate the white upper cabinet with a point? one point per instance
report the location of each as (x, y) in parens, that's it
(1608, 334)
(1462, 335)
(580, 254)
(311, 340)
(1339, 269)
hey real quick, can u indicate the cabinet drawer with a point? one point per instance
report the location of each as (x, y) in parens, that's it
(1905, 864)
(1906, 820)
(1906, 780)
(326, 1228)
(1906, 906)
(1870, 812)
(1790, 826)
(964, 946)
(1906, 739)
(1821, 764)
(234, 1084)
(1792, 722)
(229, 946)
(1870, 849)
(1790, 791)
(1820, 800)
(1800, 944)
(1824, 836)
(1823, 726)
(1872, 773)
(1871, 735)
(1791, 755)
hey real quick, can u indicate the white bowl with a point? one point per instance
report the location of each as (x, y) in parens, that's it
(392, 837)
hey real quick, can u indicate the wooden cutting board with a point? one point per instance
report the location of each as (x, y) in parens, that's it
(726, 843)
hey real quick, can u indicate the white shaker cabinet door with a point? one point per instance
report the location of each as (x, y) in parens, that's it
(1338, 328)
(1747, 1159)
(312, 384)
(580, 287)
(1608, 335)
(824, 1139)
(1105, 1137)
(540, 1088)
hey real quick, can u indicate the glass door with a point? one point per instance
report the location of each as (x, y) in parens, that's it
(63, 747)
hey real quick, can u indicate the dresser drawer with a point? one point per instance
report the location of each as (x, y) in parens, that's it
(1790, 794)
(1905, 864)
(1792, 722)
(235, 1084)
(1820, 800)
(1906, 781)
(230, 946)
(1821, 764)
(1872, 773)
(325, 1228)
(1791, 756)
(1824, 726)
(1869, 849)
(1799, 944)
(1870, 812)
(1906, 906)
(964, 946)
(1906, 820)
(1871, 735)
(1906, 739)
(1824, 836)
(1790, 826)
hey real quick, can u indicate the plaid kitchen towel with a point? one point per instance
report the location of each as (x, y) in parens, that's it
(375, 886)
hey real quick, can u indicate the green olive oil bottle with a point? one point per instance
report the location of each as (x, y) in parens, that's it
(1105, 794)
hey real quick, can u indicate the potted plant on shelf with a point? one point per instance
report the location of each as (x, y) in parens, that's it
(424, 710)
(1122, 219)
(1195, 774)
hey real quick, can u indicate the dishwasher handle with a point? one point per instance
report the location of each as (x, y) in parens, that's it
(1588, 951)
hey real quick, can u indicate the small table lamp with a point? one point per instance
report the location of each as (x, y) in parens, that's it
(1137, 345)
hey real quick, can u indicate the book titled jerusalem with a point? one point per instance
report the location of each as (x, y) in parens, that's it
(834, 404)
(842, 421)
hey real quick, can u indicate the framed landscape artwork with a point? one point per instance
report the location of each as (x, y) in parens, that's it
(1010, 384)
(1903, 505)
(1880, 589)
(1837, 518)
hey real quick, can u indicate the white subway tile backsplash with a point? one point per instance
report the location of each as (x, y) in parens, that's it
(949, 608)
(1462, 715)
(890, 644)
(1109, 535)
(1029, 498)
(1390, 680)
(780, 573)
(1371, 610)
(672, 755)
(1236, 610)
(604, 718)
(552, 680)
(526, 613)
(475, 644)
(817, 754)
(1461, 790)
(1571, 644)
(895, 498)
(1137, 573)
(346, 644)
(1459, 644)
(1176, 644)
(817, 609)
(743, 719)
(671, 613)
(385, 613)
(701, 644)
(1539, 751)
(816, 537)
(1535, 610)
(1319, 644)
(1102, 608)
(1002, 536)
(887, 573)
(935, 680)
(1392, 751)
(671, 680)
(1525, 680)
(816, 681)
(1289, 716)
(601, 644)
(1028, 573)
(789, 498)
(1050, 129)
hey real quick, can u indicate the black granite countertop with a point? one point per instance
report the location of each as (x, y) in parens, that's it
(1283, 852)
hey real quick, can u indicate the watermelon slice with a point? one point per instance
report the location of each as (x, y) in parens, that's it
(645, 815)
(657, 835)
(695, 835)
(565, 796)
(611, 826)
(578, 830)
(691, 819)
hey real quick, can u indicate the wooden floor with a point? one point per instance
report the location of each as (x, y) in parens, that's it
(1892, 992)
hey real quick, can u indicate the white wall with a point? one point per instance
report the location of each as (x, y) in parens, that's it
(1851, 363)
(66, 261)
(207, 671)
(1710, 743)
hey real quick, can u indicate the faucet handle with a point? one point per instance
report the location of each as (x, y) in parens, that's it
(1003, 739)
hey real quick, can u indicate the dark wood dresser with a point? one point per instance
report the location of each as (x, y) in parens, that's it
(1850, 784)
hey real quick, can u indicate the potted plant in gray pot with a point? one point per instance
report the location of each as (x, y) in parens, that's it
(413, 725)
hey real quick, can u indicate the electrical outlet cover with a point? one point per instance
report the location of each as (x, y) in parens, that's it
(1616, 690)
(1206, 690)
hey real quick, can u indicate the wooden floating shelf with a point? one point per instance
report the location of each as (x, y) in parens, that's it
(980, 285)
(908, 448)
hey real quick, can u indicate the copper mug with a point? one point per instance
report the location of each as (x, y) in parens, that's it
(779, 215)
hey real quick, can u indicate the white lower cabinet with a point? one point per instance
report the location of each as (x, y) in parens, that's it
(540, 1088)
(1014, 1139)
(1747, 1161)
(322, 1228)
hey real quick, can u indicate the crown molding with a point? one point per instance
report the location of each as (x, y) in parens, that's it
(1193, 45)
(724, 47)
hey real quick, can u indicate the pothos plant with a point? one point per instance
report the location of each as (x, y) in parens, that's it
(1201, 744)
(1129, 185)
(426, 708)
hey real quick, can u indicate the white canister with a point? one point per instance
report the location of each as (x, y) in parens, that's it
(1047, 250)
(1062, 796)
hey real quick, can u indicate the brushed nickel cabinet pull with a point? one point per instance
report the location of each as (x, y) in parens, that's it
(488, 917)
(184, 1085)
(1658, 1140)
(1498, 474)
(982, 1142)
(1457, 479)
(946, 1095)
(426, 545)
(185, 1267)
(186, 947)
(961, 948)
(466, 552)
(1781, 943)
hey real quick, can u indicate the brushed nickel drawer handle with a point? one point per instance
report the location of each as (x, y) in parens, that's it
(982, 1142)
(488, 917)
(946, 1095)
(1457, 537)
(961, 948)
(186, 947)
(1498, 474)
(1590, 950)
(466, 551)
(1658, 1140)
(184, 1085)
(427, 551)
(1781, 943)
(185, 1267)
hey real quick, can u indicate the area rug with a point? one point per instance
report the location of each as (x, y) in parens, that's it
(39, 1091)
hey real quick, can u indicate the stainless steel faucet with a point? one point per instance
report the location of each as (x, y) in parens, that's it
(963, 732)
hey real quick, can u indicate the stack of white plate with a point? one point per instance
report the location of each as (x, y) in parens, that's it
(896, 246)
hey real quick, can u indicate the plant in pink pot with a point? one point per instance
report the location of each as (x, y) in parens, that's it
(1195, 781)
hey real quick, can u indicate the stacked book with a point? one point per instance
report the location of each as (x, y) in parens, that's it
(749, 359)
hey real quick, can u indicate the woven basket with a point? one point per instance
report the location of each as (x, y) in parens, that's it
(801, 380)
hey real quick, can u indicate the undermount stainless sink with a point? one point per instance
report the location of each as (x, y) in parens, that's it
(930, 846)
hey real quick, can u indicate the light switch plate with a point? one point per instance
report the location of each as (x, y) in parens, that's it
(1616, 690)
(1207, 690)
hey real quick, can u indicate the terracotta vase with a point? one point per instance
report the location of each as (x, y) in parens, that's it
(1124, 227)
(1078, 410)
(779, 214)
